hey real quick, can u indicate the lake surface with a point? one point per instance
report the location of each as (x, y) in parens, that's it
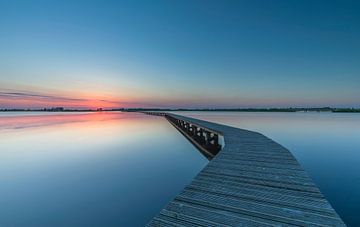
(327, 145)
(90, 169)
(120, 169)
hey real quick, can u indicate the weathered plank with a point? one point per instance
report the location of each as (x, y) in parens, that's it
(252, 181)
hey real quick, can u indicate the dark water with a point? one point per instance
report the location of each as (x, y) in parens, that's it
(90, 169)
(326, 144)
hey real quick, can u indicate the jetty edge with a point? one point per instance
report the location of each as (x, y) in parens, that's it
(250, 180)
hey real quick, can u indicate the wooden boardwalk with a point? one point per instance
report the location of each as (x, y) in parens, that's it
(251, 181)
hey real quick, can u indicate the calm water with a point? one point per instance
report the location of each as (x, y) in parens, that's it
(326, 144)
(120, 169)
(90, 169)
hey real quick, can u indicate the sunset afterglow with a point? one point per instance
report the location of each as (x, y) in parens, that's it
(202, 54)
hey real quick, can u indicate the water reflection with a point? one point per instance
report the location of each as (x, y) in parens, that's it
(326, 144)
(90, 169)
(19, 121)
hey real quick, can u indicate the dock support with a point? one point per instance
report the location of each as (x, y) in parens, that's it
(206, 140)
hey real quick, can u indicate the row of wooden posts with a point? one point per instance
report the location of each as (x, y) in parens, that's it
(207, 139)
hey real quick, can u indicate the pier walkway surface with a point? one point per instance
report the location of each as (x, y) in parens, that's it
(250, 181)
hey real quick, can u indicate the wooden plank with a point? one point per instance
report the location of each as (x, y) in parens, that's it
(186, 217)
(259, 164)
(216, 216)
(273, 169)
(304, 204)
(268, 183)
(280, 214)
(239, 183)
(258, 158)
(261, 191)
(261, 176)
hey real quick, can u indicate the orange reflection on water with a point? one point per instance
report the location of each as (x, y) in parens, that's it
(73, 132)
(48, 119)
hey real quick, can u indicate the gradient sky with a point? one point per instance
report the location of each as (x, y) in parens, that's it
(89, 54)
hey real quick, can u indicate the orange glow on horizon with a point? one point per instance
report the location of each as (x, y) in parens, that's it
(32, 100)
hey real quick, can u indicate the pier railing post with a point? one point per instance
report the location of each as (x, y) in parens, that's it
(202, 137)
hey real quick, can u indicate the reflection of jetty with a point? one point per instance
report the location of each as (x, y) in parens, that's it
(250, 181)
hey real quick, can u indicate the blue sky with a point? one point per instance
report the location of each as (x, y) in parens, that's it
(181, 53)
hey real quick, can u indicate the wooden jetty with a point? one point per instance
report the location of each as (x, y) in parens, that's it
(250, 181)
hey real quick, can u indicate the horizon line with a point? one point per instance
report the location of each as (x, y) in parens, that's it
(60, 109)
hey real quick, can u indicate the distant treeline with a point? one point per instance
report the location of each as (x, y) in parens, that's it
(312, 109)
(346, 110)
(55, 109)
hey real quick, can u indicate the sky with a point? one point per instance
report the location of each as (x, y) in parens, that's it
(179, 54)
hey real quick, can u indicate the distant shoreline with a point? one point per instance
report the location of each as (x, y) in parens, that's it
(322, 109)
